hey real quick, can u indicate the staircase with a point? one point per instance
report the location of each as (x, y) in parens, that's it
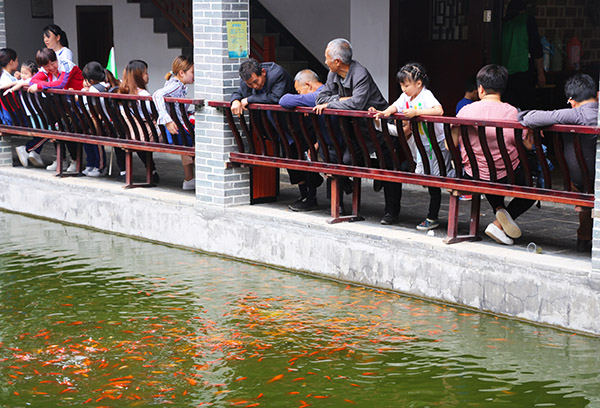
(271, 41)
(173, 18)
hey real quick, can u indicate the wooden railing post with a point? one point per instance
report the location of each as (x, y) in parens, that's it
(269, 49)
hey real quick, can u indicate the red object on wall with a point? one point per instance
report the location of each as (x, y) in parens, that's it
(574, 53)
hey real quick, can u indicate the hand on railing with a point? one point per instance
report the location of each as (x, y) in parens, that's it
(238, 107)
(15, 86)
(528, 139)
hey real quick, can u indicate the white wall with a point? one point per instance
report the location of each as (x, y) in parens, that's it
(134, 37)
(23, 33)
(365, 23)
(370, 37)
(313, 24)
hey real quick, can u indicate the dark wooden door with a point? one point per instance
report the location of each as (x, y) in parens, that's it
(448, 37)
(94, 34)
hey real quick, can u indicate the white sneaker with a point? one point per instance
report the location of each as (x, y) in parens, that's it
(23, 156)
(53, 166)
(86, 170)
(509, 225)
(189, 184)
(94, 172)
(35, 159)
(497, 235)
(72, 167)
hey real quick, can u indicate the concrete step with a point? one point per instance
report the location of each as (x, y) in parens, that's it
(148, 9)
(176, 40)
(189, 51)
(163, 25)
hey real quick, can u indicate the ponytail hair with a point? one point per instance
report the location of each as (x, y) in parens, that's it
(110, 78)
(413, 72)
(6, 56)
(181, 63)
(56, 30)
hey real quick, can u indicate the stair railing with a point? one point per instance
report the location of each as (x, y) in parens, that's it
(264, 53)
(179, 13)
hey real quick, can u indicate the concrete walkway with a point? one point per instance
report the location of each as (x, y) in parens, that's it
(551, 227)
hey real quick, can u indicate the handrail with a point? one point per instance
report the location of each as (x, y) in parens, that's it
(349, 146)
(433, 119)
(109, 95)
(179, 13)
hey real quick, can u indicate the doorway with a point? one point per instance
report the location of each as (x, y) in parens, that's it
(94, 34)
(453, 39)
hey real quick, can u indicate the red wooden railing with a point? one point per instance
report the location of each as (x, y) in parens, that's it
(179, 13)
(348, 142)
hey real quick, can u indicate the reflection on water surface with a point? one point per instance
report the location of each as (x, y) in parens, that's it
(91, 319)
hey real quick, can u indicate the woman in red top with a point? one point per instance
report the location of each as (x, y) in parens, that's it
(53, 74)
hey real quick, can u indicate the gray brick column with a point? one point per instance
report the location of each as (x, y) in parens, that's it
(216, 76)
(596, 213)
(5, 149)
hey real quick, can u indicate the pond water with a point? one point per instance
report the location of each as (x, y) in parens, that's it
(92, 319)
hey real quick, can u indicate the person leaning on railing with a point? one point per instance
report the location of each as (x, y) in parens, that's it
(491, 82)
(263, 82)
(9, 62)
(53, 74)
(97, 79)
(581, 90)
(350, 86)
(181, 74)
(307, 84)
(135, 79)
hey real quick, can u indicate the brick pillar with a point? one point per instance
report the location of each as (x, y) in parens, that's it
(596, 212)
(216, 76)
(5, 149)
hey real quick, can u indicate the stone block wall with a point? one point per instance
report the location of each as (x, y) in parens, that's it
(216, 77)
(569, 18)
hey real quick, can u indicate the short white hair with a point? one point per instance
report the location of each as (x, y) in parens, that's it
(341, 49)
(306, 76)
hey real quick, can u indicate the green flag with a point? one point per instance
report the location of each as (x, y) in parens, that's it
(112, 63)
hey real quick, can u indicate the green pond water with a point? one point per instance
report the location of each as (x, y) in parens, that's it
(92, 319)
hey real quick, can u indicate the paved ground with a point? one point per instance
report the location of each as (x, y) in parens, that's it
(552, 227)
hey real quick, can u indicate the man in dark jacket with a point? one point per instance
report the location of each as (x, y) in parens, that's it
(581, 90)
(350, 86)
(260, 83)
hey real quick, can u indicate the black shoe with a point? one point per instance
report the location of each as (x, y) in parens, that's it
(308, 204)
(377, 185)
(298, 201)
(389, 219)
(155, 177)
(584, 245)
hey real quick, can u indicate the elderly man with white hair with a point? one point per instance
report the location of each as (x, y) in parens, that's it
(350, 86)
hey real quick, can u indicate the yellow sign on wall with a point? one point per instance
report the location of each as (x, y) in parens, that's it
(237, 39)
